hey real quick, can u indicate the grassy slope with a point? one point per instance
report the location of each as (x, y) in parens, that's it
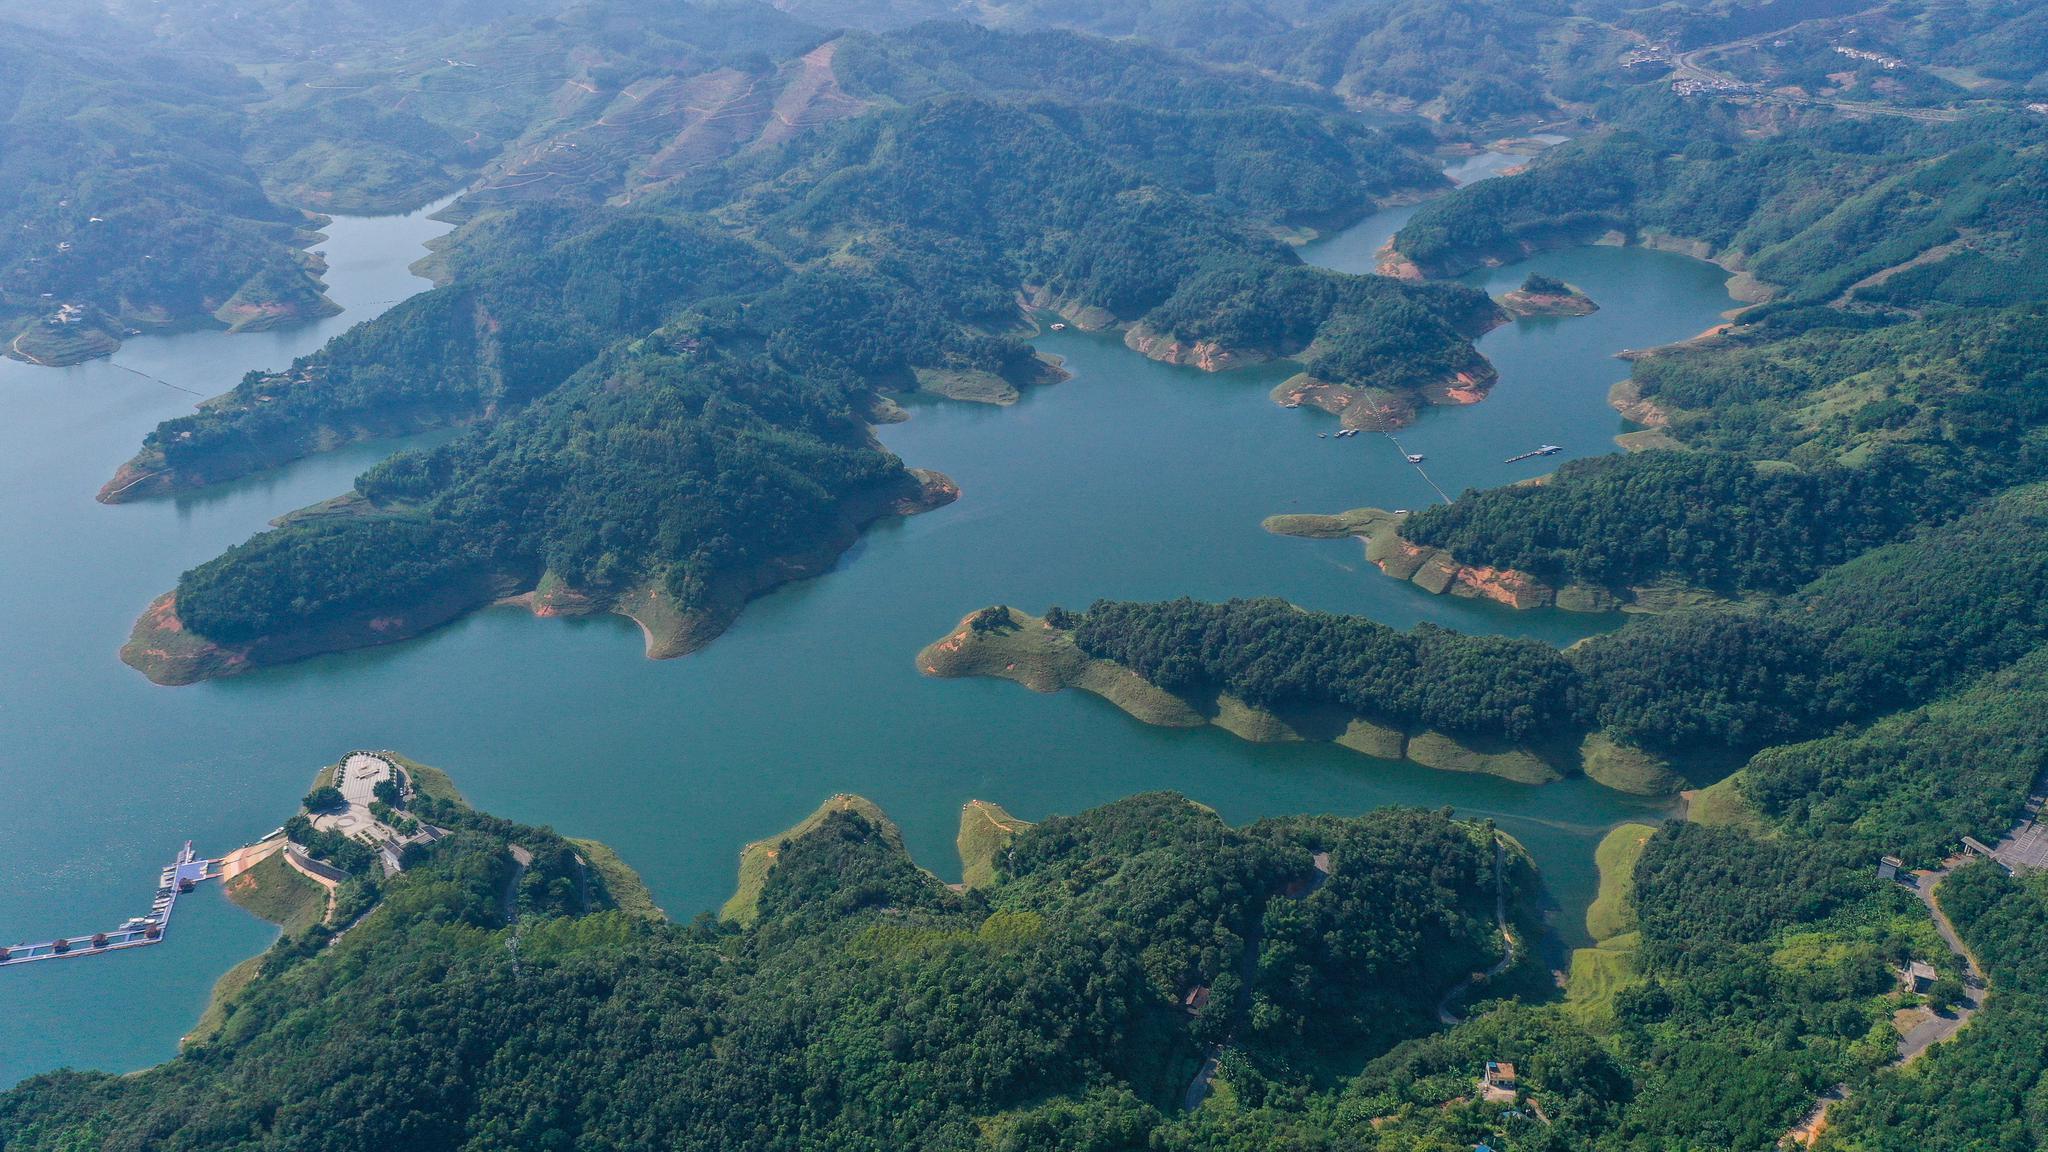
(1613, 909)
(277, 893)
(218, 1008)
(1600, 972)
(1627, 769)
(1724, 806)
(1046, 659)
(628, 891)
(280, 895)
(985, 830)
(428, 780)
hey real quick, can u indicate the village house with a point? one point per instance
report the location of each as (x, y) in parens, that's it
(1917, 976)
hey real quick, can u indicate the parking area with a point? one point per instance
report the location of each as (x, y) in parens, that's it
(2024, 849)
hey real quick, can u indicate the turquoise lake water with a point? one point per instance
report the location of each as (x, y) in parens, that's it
(1132, 480)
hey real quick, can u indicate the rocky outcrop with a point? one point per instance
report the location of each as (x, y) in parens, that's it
(1573, 303)
(1438, 572)
(1626, 397)
(1390, 262)
(1087, 317)
(1375, 409)
(1208, 355)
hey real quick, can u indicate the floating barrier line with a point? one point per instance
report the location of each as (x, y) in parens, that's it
(160, 380)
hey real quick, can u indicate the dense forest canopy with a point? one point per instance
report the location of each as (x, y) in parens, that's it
(849, 262)
(1269, 653)
(1895, 627)
(1819, 210)
(698, 249)
(912, 1015)
(1959, 391)
(125, 194)
(1706, 519)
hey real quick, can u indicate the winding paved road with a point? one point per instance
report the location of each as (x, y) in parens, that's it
(15, 347)
(1928, 1032)
(1936, 1029)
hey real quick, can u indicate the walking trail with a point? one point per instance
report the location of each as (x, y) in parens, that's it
(1507, 935)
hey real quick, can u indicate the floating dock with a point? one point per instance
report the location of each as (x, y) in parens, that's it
(1546, 450)
(182, 875)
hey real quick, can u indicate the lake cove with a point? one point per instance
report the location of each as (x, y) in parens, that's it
(1134, 480)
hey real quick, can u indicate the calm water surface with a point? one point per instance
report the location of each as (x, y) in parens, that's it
(1133, 479)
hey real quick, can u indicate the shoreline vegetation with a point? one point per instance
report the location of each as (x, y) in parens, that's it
(1437, 571)
(165, 650)
(281, 892)
(69, 337)
(1376, 397)
(150, 473)
(1002, 387)
(759, 857)
(571, 344)
(1379, 409)
(1150, 928)
(291, 290)
(1744, 286)
(1600, 973)
(986, 833)
(1046, 659)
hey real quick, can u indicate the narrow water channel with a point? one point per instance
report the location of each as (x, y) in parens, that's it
(1133, 479)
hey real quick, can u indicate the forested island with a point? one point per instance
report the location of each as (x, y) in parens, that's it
(1542, 295)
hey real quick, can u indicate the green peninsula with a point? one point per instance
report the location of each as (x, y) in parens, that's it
(1438, 572)
(1098, 960)
(1670, 700)
(1006, 643)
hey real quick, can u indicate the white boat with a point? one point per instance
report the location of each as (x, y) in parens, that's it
(1415, 457)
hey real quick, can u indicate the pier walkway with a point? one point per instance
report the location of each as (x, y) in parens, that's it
(181, 875)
